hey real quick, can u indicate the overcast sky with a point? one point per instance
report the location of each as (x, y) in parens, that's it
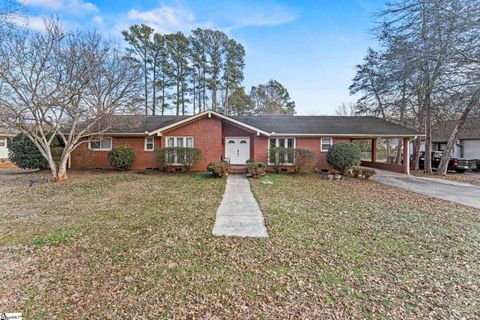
(311, 47)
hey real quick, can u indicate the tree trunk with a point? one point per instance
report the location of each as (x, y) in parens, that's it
(154, 98)
(163, 96)
(428, 135)
(225, 106)
(62, 172)
(214, 99)
(178, 99)
(443, 166)
(416, 154)
(398, 158)
(183, 100)
(194, 95)
(418, 141)
(204, 92)
(387, 142)
(145, 79)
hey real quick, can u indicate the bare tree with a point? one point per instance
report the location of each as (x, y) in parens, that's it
(62, 84)
(345, 110)
(427, 56)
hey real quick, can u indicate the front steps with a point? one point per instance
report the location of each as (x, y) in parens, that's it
(237, 169)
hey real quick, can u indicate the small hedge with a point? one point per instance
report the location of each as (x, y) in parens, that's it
(280, 157)
(343, 156)
(256, 169)
(304, 161)
(121, 157)
(24, 154)
(366, 173)
(186, 157)
(218, 168)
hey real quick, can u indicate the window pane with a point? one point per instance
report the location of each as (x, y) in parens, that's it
(272, 142)
(281, 143)
(180, 142)
(2, 143)
(170, 157)
(149, 143)
(95, 144)
(106, 143)
(290, 143)
(170, 142)
(189, 142)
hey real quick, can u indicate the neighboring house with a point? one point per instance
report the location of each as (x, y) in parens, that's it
(468, 141)
(235, 139)
(5, 136)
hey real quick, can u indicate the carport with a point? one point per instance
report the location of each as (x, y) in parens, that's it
(388, 162)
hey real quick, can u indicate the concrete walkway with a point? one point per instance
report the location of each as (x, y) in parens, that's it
(239, 214)
(466, 194)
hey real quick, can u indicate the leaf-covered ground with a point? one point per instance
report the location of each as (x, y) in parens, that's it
(140, 246)
(466, 177)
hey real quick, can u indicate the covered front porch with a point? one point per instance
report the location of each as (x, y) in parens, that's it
(385, 153)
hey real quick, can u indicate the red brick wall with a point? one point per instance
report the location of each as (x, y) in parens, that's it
(83, 158)
(260, 149)
(207, 136)
(383, 166)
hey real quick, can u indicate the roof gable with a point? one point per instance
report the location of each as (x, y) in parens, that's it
(208, 114)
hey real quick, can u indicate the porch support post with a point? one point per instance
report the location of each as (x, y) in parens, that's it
(406, 155)
(374, 150)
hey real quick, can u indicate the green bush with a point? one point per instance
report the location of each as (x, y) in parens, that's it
(121, 157)
(343, 156)
(280, 156)
(304, 161)
(24, 154)
(187, 157)
(218, 168)
(256, 169)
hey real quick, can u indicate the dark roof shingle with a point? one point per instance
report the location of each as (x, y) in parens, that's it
(327, 125)
(330, 125)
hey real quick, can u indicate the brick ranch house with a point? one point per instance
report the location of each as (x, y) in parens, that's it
(236, 139)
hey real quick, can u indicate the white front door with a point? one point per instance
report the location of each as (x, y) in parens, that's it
(237, 149)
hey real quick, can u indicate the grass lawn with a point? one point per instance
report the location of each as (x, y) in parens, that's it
(140, 246)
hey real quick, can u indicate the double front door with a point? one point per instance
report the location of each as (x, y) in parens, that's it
(237, 149)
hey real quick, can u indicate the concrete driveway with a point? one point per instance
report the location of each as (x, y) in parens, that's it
(462, 193)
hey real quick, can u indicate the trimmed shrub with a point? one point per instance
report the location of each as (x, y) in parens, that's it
(121, 157)
(187, 157)
(343, 156)
(256, 169)
(24, 154)
(304, 161)
(218, 168)
(280, 156)
(366, 173)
